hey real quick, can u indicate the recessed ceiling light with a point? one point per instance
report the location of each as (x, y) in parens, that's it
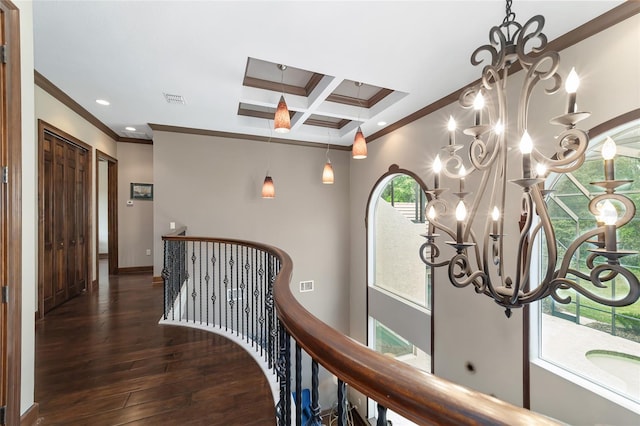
(131, 129)
(382, 123)
(103, 102)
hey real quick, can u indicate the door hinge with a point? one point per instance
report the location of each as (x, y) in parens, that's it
(5, 174)
(5, 294)
(3, 53)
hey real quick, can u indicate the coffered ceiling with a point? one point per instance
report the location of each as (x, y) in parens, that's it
(212, 65)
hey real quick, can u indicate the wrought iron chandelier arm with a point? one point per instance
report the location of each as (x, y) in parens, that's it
(463, 276)
(572, 145)
(633, 292)
(536, 72)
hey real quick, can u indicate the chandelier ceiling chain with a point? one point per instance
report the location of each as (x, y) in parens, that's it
(480, 261)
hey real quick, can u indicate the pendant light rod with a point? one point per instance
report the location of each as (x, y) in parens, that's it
(359, 148)
(282, 119)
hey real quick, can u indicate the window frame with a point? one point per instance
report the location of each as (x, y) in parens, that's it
(533, 320)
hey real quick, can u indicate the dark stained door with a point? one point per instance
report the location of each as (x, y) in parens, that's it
(64, 210)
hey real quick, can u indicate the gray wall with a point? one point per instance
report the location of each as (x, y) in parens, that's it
(212, 185)
(135, 222)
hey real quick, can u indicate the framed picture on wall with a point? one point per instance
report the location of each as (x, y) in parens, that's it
(141, 191)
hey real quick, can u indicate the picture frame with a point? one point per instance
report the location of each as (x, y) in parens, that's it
(142, 191)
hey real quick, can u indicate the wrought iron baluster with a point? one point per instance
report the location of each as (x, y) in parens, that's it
(287, 379)
(226, 286)
(342, 403)
(213, 298)
(269, 308)
(382, 415)
(245, 292)
(200, 279)
(221, 295)
(315, 403)
(254, 279)
(260, 303)
(298, 385)
(282, 375)
(165, 277)
(207, 280)
(237, 304)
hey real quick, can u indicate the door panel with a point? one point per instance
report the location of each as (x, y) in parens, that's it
(48, 279)
(64, 220)
(81, 217)
(59, 265)
(70, 219)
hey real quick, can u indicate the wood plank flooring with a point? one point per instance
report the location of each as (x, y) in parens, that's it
(103, 359)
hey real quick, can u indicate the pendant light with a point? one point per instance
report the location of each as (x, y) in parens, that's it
(327, 172)
(359, 148)
(282, 120)
(268, 188)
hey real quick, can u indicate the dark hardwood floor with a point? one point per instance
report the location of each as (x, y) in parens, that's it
(103, 359)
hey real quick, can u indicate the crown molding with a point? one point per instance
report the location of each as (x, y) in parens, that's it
(616, 15)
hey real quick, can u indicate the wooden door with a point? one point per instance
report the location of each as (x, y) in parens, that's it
(47, 258)
(82, 212)
(10, 212)
(64, 221)
(59, 271)
(70, 220)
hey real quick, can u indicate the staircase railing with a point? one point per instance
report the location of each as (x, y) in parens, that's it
(244, 288)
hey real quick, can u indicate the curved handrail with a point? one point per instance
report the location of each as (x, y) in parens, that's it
(418, 396)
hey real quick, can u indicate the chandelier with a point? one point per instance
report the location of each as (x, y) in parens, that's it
(479, 260)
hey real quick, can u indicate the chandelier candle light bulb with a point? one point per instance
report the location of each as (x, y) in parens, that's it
(526, 146)
(437, 168)
(495, 215)
(609, 216)
(571, 86)
(431, 214)
(478, 104)
(462, 173)
(608, 153)
(461, 215)
(451, 126)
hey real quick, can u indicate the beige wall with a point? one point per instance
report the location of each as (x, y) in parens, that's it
(212, 185)
(103, 207)
(135, 222)
(29, 205)
(469, 327)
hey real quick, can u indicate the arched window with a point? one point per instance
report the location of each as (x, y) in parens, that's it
(596, 342)
(399, 291)
(396, 220)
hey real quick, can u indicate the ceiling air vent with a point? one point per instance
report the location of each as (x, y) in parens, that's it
(174, 99)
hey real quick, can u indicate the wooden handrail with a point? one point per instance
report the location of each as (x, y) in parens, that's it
(418, 396)
(421, 397)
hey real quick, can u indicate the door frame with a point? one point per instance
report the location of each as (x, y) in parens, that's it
(43, 127)
(11, 216)
(112, 209)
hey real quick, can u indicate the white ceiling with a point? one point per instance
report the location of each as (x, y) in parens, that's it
(131, 52)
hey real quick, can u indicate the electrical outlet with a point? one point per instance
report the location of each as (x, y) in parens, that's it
(148, 252)
(172, 225)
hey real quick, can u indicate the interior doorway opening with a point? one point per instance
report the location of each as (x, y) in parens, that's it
(107, 213)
